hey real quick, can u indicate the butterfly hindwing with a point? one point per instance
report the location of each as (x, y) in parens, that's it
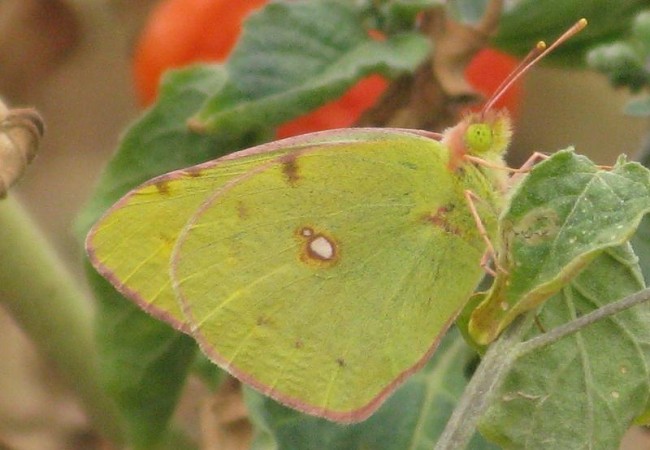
(325, 275)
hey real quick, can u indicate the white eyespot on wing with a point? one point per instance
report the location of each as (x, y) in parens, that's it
(318, 249)
(321, 248)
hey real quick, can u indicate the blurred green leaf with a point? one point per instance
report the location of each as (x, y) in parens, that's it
(641, 240)
(641, 243)
(143, 364)
(399, 15)
(641, 28)
(527, 21)
(625, 62)
(585, 390)
(296, 56)
(621, 62)
(467, 11)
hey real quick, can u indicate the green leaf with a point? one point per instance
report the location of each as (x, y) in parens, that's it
(641, 243)
(585, 390)
(558, 219)
(527, 21)
(468, 11)
(296, 56)
(641, 240)
(391, 15)
(622, 62)
(143, 363)
(641, 29)
(395, 15)
(412, 418)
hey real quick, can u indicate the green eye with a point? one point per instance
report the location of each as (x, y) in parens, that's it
(478, 138)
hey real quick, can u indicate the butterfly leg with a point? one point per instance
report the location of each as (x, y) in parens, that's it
(485, 264)
(526, 166)
(538, 322)
(531, 161)
(490, 253)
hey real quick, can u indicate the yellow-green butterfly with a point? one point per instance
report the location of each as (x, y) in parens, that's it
(323, 269)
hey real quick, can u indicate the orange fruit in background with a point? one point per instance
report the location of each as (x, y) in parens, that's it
(340, 113)
(180, 32)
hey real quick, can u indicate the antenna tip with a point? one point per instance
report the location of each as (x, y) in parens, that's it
(582, 22)
(541, 45)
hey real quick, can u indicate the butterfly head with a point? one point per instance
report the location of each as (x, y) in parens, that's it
(487, 134)
(484, 135)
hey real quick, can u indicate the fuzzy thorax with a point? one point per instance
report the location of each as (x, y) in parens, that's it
(482, 135)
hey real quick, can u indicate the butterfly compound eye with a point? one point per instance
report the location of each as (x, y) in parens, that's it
(479, 138)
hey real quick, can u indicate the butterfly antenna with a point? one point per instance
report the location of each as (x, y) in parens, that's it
(514, 74)
(537, 53)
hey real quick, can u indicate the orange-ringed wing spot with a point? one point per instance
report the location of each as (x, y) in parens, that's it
(318, 248)
(290, 168)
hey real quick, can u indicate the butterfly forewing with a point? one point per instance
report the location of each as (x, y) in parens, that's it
(133, 252)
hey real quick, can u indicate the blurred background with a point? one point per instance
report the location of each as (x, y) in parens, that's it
(72, 61)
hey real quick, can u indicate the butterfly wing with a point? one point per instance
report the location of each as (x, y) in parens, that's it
(132, 243)
(324, 276)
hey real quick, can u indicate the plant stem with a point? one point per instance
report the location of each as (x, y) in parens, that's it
(578, 324)
(47, 304)
(494, 366)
